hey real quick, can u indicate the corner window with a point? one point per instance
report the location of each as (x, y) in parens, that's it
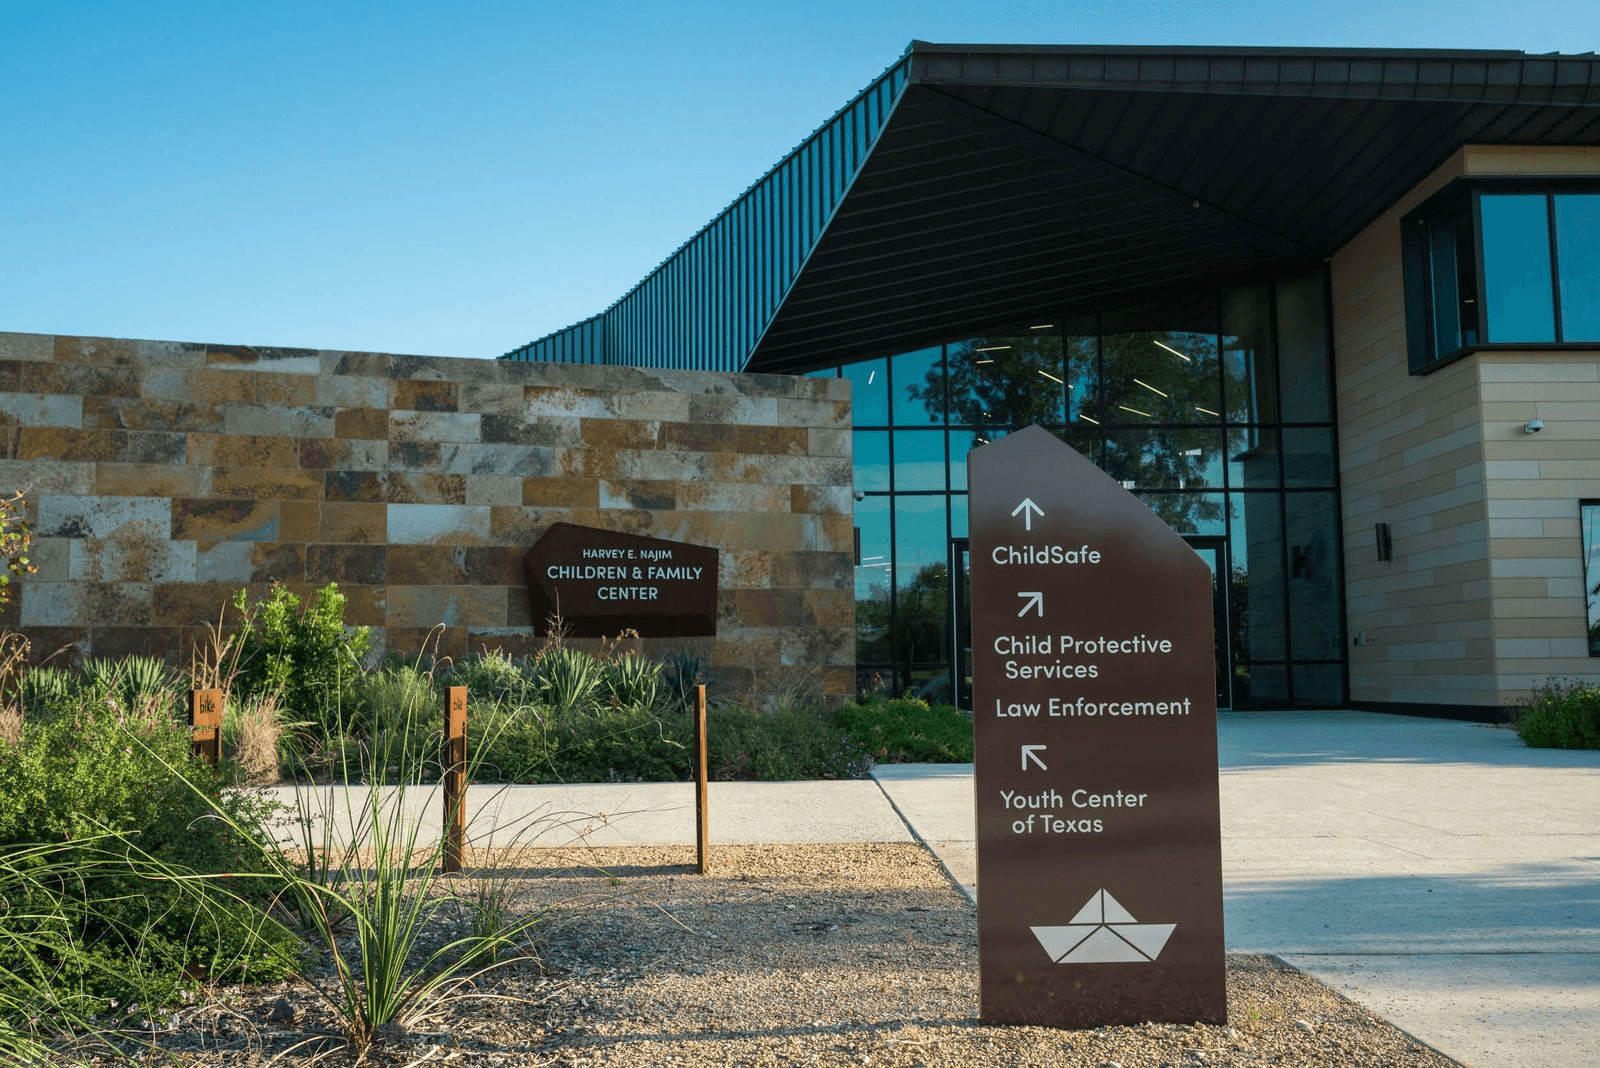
(1589, 521)
(1494, 264)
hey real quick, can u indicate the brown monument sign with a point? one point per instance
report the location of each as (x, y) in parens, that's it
(1094, 696)
(601, 582)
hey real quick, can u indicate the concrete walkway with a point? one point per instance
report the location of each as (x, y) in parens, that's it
(1440, 873)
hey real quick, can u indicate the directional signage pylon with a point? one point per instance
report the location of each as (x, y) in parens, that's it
(1096, 751)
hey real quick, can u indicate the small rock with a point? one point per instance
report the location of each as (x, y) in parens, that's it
(1303, 1025)
(283, 1011)
(392, 1033)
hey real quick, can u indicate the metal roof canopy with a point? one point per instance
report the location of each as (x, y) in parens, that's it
(1007, 182)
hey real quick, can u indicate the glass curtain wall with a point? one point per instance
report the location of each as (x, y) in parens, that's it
(1214, 409)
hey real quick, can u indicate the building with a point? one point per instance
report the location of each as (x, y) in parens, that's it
(1334, 314)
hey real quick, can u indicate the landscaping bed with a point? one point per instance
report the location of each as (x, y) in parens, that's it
(794, 954)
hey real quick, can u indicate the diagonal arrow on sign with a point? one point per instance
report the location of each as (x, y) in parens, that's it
(1035, 601)
(1031, 752)
(1028, 510)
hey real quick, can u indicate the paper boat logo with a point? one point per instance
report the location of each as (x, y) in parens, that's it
(1104, 933)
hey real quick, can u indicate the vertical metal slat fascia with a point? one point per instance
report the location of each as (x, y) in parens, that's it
(711, 301)
(697, 351)
(860, 141)
(716, 331)
(741, 240)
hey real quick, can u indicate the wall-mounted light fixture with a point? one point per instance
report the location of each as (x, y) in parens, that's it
(1533, 426)
(1385, 546)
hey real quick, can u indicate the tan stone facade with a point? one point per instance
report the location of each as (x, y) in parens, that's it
(1483, 598)
(164, 476)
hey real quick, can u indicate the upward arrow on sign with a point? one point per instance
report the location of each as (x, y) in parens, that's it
(1028, 510)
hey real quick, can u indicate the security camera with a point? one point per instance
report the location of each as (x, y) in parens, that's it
(1534, 426)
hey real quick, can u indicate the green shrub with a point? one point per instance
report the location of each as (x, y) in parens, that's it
(631, 681)
(400, 716)
(1563, 714)
(566, 680)
(792, 743)
(90, 789)
(616, 743)
(491, 676)
(908, 730)
(509, 741)
(309, 658)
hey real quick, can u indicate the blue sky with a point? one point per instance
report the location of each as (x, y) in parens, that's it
(457, 179)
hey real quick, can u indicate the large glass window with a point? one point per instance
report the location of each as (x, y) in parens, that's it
(1492, 264)
(1160, 364)
(1248, 355)
(872, 461)
(919, 462)
(873, 643)
(922, 586)
(1578, 238)
(1007, 382)
(919, 388)
(1253, 458)
(1589, 522)
(1304, 367)
(869, 392)
(1257, 605)
(1309, 460)
(1165, 458)
(1516, 268)
(1213, 408)
(1310, 525)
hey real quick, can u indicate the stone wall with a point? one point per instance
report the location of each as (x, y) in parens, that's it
(164, 476)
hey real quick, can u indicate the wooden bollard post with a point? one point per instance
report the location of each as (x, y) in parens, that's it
(205, 717)
(455, 776)
(701, 811)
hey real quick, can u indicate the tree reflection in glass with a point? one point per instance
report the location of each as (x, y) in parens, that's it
(1165, 375)
(1003, 383)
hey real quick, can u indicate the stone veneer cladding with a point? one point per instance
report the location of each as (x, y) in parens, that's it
(1484, 597)
(164, 476)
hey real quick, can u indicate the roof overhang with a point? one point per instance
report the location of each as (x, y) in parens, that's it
(1015, 181)
(972, 189)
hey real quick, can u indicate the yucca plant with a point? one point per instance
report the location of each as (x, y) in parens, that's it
(44, 690)
(138, 683)
(631, 681)
(567, 679)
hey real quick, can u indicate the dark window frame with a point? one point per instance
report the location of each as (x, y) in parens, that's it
(1417, 230)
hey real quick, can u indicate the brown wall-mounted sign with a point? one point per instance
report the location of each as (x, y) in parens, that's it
(601, 582)
(1094, 697)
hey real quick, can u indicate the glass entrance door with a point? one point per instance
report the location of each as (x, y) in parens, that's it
(1214, 551)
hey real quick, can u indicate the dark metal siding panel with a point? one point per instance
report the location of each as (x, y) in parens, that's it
(708, 304)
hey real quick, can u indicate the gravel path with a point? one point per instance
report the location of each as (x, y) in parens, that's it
(809, 954)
